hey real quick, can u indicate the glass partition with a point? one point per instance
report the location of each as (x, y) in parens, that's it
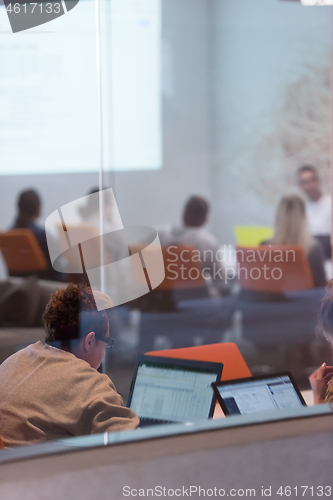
(236, 97)
(198, 115)
(50, 158)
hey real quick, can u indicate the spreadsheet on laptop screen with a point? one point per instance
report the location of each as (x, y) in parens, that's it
(254, 396)
(172, 392)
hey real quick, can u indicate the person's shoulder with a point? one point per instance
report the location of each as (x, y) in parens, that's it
(36, 229)
(206, 235)
(38, 232)
(77, 370)
(45, 352)
(14, 357)
(163, 229)
(169, 233)
(31, 348)
(84, 374)
(21, 357)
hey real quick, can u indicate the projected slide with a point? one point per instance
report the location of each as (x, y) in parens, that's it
(48, 91)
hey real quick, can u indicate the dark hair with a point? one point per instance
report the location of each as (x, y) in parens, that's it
(71, 314)
(325, 315)
(28, 205)
(308, 168)
(195, 212)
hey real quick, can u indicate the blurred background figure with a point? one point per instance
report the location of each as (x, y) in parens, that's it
(28, 211)
(318, 206)
(114, 239)
(291, 228)
(89, 212)
(191, 232)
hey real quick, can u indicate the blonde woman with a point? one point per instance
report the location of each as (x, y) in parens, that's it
(291, 228)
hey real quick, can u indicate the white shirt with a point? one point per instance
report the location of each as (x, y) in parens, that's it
(319, 214)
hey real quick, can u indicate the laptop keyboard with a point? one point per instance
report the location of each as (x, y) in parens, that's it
(144, 422)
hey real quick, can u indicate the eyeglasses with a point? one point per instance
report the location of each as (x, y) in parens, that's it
(109, 342)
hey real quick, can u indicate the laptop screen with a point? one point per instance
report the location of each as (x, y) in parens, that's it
(173, 390)
(258, 394)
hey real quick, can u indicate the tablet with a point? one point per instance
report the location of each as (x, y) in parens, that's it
(258, 394)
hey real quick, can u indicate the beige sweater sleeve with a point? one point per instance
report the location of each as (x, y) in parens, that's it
(102, 409)
(107, 415)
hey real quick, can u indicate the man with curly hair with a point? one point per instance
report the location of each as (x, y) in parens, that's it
(53, 390)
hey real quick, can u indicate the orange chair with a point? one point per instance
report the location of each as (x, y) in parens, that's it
(182, 270)
(21, 252)
(234, 365)
(274, 268)
(183, 279)
(2, 446)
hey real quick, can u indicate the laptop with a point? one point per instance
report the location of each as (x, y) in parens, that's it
(258, 394)
(171, 390)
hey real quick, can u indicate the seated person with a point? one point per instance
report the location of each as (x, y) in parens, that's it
(89, 211)
(321, 380)
(29, 209)
(291, 229)
(115, 242)
(53, 390)
(192, 233)
(318, 206)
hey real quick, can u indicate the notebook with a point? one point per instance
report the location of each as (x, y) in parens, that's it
(171, 390)
(258, 394)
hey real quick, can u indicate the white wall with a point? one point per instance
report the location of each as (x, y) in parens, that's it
(272, 109)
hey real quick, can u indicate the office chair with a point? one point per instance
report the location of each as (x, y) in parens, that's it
(21, 252)
(183, 280)
(290, 272)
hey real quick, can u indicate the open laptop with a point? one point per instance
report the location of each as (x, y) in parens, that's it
(171, 390)
(258, 394)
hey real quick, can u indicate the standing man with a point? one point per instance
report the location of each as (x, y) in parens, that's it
(318, 206)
